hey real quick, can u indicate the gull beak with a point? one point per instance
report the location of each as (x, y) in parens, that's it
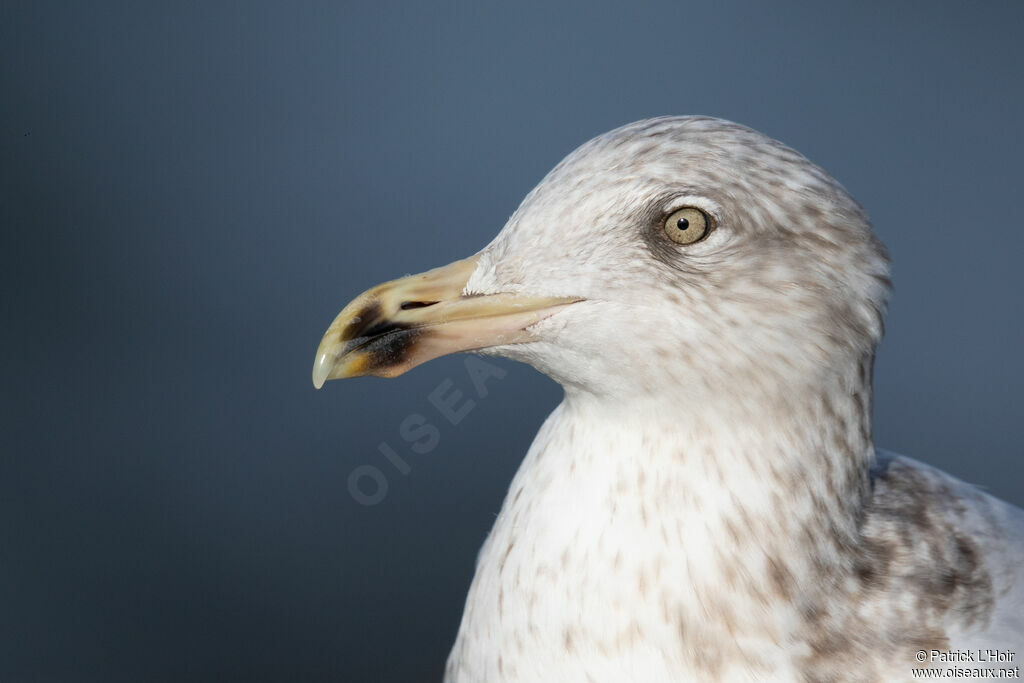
(397, 325)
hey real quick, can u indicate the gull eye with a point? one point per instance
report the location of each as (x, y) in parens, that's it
(687, 225)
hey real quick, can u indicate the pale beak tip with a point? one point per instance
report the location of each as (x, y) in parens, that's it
(322, 367)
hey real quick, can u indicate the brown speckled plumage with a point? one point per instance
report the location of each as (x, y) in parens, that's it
(707, 503)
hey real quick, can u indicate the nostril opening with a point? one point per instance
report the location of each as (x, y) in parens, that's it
(409, 305)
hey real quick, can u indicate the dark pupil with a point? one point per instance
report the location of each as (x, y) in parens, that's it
(682, 224)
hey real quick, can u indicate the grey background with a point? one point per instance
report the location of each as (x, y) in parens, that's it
(190, 191)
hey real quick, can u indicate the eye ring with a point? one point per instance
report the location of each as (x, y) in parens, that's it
(687, 225)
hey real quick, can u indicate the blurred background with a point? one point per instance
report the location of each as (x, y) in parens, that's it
(190, 191)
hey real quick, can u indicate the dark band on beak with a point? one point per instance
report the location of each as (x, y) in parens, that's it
(371, 323)
(379, 340)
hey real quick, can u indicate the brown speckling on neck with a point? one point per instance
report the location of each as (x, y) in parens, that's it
(917, 574)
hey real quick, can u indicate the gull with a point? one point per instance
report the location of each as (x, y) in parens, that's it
(706, 502)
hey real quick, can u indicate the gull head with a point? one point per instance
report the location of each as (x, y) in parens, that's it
(681, 257)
